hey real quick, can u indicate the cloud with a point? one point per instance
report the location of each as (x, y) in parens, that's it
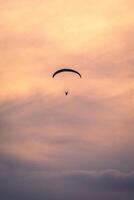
(67, 134)
(107, 179)
(67, 184)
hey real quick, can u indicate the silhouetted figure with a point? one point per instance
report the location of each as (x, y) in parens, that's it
(66, 93)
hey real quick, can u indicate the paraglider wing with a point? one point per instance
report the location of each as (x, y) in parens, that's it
(66, 70)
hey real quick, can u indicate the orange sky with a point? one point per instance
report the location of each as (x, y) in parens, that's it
(36, 38)
(92, 128)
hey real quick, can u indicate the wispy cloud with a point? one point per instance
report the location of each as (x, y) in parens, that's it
(67, 133)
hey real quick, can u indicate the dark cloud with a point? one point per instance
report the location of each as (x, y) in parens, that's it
(63, 185)
(108, 179)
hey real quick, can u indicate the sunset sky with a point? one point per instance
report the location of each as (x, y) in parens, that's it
(75, 147)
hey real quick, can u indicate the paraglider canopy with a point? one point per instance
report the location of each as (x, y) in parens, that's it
(66, 70)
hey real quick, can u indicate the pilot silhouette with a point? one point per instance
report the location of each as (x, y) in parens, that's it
(66, 93)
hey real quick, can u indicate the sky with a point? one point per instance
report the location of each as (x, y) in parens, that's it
(80, 146)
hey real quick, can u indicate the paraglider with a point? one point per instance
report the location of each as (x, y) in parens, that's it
(66, 70)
